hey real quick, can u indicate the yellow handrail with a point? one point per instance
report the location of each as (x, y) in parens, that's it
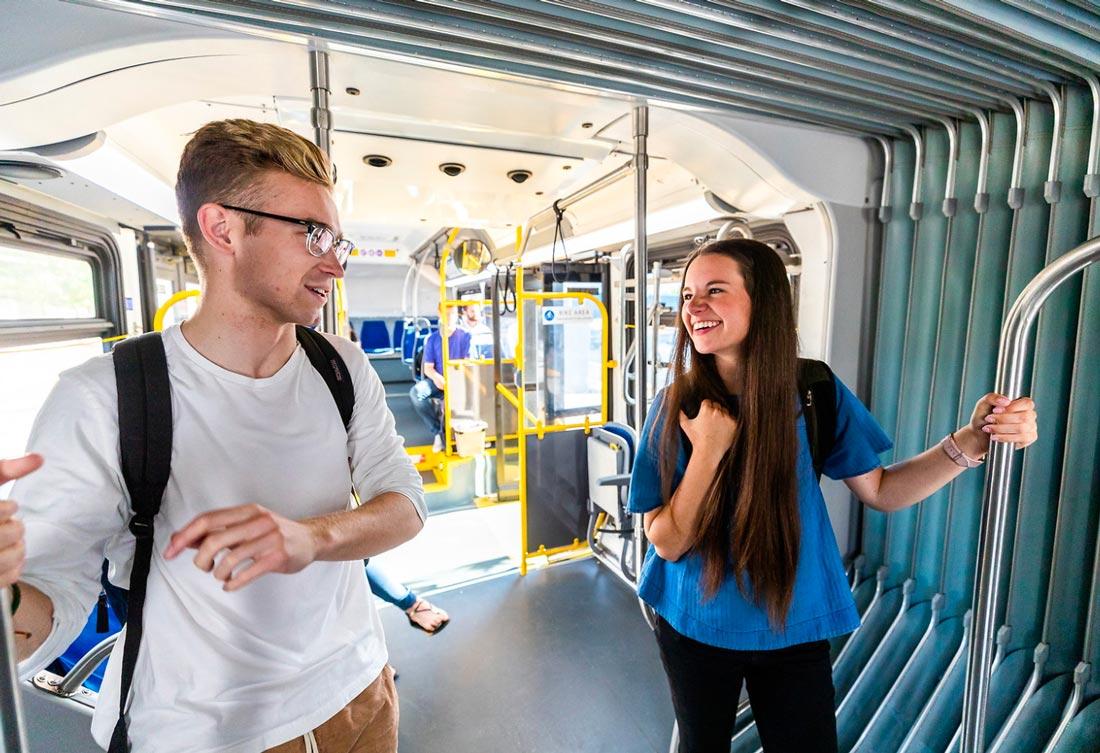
(343, 324)
(158, 318)
(605, 362)
(444, 336)
(539, 429)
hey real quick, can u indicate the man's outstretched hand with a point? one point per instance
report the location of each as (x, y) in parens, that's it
(239, 544)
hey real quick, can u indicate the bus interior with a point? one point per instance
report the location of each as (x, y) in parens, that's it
(928, 173)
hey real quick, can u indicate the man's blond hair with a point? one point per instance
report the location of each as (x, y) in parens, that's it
(224, 163)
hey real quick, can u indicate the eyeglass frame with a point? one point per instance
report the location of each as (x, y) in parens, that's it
(312, 227)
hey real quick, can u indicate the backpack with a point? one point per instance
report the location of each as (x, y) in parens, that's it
(145, 441)
(817, 393)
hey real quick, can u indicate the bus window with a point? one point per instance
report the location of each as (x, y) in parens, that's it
(39, 287)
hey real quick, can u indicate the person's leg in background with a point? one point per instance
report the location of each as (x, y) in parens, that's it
(425, 401)
(421, 613)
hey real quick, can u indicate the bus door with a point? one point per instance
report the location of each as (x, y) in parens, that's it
(564, 370)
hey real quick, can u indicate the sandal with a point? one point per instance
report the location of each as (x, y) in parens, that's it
(421, 607)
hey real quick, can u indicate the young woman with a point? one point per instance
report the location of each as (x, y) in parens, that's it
(743, 569)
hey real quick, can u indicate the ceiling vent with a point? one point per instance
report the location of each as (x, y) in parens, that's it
(453, 168)
(377, 160)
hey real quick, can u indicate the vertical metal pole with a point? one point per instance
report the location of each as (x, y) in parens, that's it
(321, 118)
(991, 539)
(11, 710)
(656, 324)
(498, 400)
(641, 266)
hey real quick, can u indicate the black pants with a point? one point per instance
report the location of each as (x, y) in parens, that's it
(790, 689)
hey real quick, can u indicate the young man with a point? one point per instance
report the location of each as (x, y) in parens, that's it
(259, 628)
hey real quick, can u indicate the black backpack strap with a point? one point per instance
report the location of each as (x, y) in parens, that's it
(817, 391)
(332, 369)
(145, 441)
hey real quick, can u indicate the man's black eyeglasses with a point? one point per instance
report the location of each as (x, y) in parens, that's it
(319, 238)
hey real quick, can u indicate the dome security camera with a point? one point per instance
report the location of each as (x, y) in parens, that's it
(519, 176)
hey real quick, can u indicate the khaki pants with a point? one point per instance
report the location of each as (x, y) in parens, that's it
(366, 725)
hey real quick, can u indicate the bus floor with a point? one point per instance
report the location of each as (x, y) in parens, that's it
(557, 660)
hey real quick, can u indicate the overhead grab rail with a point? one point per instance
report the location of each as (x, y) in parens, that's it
(994, 526)
(538, 220)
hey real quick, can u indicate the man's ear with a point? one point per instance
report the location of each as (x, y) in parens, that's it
(217, 225)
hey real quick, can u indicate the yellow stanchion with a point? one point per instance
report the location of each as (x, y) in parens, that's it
(183, 295)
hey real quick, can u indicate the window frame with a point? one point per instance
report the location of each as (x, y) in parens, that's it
(39, 230)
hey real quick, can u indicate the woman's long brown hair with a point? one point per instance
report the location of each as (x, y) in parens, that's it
(750, 521)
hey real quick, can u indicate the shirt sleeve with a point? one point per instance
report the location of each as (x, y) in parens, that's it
(72, 506)
(433, 352)
(379, 463)
(645, 480)
(858, 440)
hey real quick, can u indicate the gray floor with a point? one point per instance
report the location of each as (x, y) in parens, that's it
(559, 660)
(409, 424)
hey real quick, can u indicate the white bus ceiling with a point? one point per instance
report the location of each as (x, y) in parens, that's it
(147, 83)
(773, 116)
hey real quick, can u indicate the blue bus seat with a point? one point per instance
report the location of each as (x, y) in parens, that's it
(374, 337)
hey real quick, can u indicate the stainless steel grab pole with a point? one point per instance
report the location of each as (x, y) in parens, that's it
(641, 265)
(321, 119)
(641, 269)
(991, 540)
(11, 709)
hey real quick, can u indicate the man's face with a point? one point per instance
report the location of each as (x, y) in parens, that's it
(274, 269)
(473, 315)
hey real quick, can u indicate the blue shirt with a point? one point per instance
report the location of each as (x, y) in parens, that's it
(458, 346)
(822, 604)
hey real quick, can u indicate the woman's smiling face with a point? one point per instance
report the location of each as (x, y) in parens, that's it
(715, 305)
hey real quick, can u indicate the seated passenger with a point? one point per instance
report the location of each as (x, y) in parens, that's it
(744, 574)
(232, 656)
(427, 394)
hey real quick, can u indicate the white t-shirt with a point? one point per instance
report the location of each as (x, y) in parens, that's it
(481, 339)
(227, 672)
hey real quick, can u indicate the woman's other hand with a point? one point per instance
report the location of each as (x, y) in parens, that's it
(998, 419)
(711, 431)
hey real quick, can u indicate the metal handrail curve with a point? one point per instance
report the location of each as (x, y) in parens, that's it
(1010, 374)
(87, 664)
